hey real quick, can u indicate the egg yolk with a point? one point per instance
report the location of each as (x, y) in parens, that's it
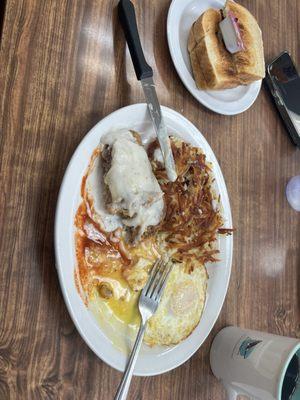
(126, 311)
(184, 298)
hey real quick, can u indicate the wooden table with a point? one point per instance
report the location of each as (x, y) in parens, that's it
(63, 68)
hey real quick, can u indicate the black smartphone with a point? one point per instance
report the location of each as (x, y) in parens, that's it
(283, 81)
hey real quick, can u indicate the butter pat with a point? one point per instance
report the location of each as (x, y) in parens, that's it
(231, 33)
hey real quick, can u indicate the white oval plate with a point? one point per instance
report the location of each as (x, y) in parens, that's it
(156, 360)
(181, 16)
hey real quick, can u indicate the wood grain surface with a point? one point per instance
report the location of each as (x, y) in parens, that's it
(64, 66)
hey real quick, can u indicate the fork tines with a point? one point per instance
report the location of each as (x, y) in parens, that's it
(157, 279)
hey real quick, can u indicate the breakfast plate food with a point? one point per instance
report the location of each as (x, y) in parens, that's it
(227, 82)
(117, 213)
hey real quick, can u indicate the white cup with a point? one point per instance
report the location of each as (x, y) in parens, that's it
(257, 365)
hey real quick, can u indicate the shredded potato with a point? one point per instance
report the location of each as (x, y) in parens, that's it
(193, 219)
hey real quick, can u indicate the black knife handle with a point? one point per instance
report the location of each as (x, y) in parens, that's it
(128, 20)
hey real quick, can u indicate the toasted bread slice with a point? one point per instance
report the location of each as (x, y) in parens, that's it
(250, 63)
(191, 40)
(214, 67)
(197, 71)
(216, 63)
(207, 23)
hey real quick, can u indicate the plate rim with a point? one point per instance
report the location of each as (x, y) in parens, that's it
(180, 67)
(57, 222)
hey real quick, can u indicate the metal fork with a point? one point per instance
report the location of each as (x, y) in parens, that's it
(148, 303)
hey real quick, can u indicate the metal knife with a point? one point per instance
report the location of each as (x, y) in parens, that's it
(144, 73)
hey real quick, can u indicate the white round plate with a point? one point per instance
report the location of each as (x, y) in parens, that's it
(181, 16)
(155, 360)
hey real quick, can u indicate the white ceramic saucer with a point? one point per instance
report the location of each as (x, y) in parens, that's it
(182, 14)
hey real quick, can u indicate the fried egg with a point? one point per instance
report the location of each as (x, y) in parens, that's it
(181, 307)
(178, 313)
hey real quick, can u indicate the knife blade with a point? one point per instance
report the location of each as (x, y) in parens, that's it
(160, 127)
(144, 73)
